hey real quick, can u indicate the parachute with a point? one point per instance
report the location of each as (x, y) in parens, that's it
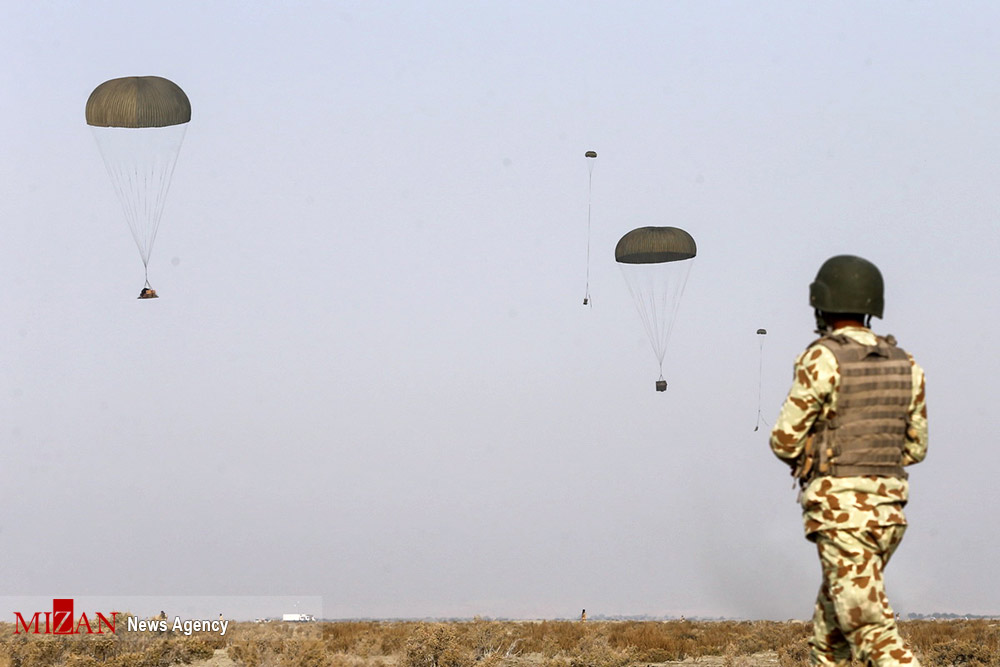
(760, 375)
(590, 155)
(139, 123)
(655, 262)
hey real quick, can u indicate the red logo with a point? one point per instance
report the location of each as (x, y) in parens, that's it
(61, 621)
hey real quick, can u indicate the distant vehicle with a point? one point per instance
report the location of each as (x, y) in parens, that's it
(298, 618)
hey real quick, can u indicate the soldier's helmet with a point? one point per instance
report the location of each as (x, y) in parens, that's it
(848, 284)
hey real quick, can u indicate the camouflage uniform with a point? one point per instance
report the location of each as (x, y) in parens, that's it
(856, 522)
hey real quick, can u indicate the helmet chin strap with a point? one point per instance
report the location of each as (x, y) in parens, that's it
(822, 327)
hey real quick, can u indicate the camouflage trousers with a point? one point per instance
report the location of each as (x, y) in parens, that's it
(852, 611)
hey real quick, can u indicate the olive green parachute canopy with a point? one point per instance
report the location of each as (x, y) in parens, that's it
(762, 332)
(138, 101)
(590, 154)
(654, 245)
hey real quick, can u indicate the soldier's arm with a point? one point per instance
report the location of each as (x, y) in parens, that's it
(915, 448)
(810, 387)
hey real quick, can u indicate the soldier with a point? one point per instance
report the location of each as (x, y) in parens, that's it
(854, 417)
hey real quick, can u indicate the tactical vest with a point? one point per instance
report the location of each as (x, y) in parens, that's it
(867, 433)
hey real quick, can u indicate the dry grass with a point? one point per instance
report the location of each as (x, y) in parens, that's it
(482, 643)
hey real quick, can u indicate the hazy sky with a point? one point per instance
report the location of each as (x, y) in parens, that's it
(370, 380)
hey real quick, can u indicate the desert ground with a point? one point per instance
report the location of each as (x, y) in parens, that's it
(484, 643)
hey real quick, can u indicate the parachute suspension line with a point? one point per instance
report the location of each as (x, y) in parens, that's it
(656, 302)
(673, 303)
(590, 182)
(165, 174)
(124, 182)
(142, 183)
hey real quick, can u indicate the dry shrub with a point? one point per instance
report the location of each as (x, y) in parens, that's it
(305, 653)
(351, 637)
(731, 657)
(257, 645)
(654, 642)
(550, 637)
(392, 638)
(596, 651)
(962, 653)
(246, 653)
(794, 654)
(159, 652)
(436, 645)
(277, 644)
(661, 641)
(955, 643)
(925, 635)
(81, 661)
(366, 639)
(492, 643)
(348, 660)
(130, 659)
(40, 651)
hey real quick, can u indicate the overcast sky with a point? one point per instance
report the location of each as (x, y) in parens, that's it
(370, 382)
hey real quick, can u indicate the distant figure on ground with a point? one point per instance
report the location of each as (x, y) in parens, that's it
(583, 615)
(161, 620)
(855, 416)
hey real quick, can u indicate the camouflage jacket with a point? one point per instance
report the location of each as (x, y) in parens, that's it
(843, 502)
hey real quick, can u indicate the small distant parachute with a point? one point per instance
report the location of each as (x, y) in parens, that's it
(139, 123)
(590, 155)
(760, 375)
(655, 262)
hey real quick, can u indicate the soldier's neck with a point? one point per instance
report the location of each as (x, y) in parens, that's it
(838, 322)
